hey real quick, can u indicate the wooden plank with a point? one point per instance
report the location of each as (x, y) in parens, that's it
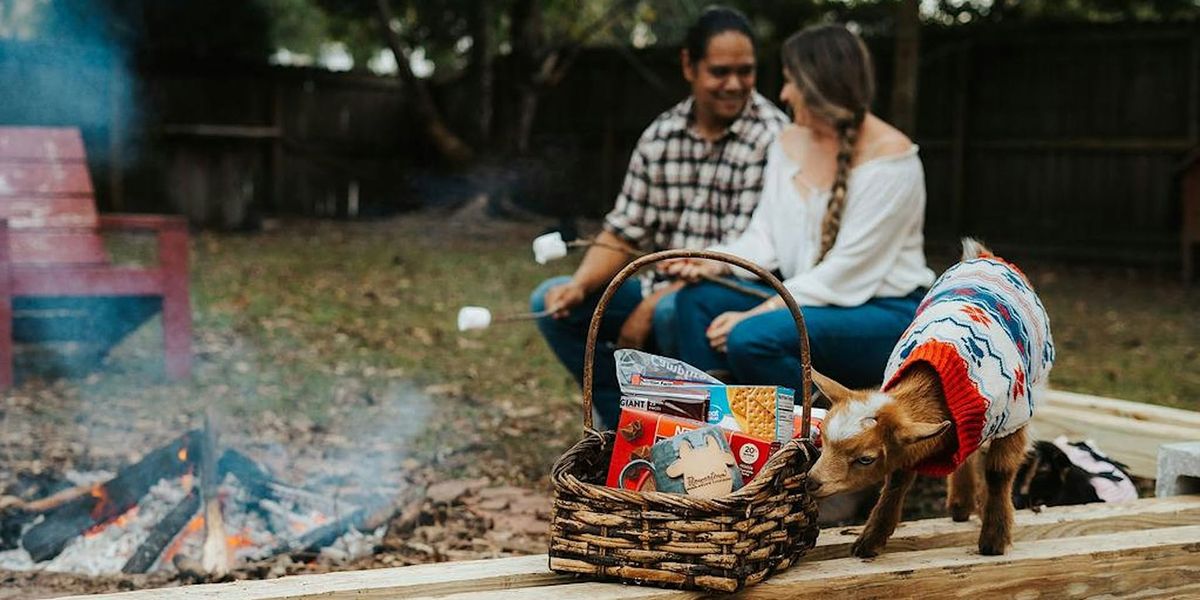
(57, 247)
(488, 577)
(86, 281)
(22, 179)
(441, 578)
(1158, 563)
(41, 143)
(1133, 442)
(1137, 411)
(30, 212)
(1050, 523)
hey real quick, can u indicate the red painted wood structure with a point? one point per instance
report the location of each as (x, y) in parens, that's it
(57, 282)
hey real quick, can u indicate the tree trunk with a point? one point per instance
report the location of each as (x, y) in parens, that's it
(482, 57)
(907, 66)
(449, 145)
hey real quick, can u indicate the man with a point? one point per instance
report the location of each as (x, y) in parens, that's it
(693, 181)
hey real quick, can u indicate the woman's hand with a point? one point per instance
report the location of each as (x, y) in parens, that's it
(692, 269)
(718, 330)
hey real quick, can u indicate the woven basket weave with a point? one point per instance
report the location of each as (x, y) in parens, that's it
(672, 540)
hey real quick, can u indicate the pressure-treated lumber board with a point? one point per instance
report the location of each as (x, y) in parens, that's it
(1050, 523)
(1162, 563)
(1137, 411)
(399, 582)
(1130, 441)
(493, 576)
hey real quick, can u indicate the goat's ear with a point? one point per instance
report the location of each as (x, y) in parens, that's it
(836, 392)
(919, 432)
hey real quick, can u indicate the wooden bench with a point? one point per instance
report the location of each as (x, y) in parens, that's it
(1146, 548)
(57, 282)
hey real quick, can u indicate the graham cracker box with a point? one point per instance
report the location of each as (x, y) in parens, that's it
(638, 431)
(760, 411)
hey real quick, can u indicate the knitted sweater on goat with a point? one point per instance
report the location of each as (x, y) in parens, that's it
(986, 333)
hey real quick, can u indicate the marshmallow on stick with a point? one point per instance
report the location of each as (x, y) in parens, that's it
(551, 246)
(478, 317)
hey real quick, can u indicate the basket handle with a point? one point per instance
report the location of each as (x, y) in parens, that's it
(589, 356)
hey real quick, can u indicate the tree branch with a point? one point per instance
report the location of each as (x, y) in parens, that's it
(448, 144)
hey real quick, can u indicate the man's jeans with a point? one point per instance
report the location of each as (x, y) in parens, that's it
(568, 336)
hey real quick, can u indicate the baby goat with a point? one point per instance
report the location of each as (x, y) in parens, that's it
(964, 374)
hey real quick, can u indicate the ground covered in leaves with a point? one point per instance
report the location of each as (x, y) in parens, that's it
(329, 350)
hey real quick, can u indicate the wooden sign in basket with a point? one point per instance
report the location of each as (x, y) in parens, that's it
(672, 540)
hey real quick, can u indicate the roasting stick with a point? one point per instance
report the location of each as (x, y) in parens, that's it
(551, 246)
(215, 554)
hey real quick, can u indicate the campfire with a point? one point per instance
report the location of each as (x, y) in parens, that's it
(188, 506)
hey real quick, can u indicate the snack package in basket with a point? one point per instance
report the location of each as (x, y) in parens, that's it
(662, 385)
(639, 430)
(761, 411)
(696, 463)
(816, 422)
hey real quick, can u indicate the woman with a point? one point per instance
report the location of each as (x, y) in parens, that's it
(841, 217)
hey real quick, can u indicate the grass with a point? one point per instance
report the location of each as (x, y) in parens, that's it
(329, 321)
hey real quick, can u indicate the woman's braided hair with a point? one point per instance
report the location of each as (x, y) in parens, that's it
(832, 69)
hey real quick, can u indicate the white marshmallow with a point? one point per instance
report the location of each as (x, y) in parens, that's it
(474, 317)
(549, 247)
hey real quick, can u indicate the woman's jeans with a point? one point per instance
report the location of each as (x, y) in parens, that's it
(568, 336)
(848, 344)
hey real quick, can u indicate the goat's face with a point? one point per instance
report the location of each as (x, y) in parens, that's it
(854, 443)
(866, 436)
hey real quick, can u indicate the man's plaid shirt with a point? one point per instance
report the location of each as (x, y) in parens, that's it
(682, 191)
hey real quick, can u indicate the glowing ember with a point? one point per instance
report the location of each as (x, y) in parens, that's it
(183, 454)
(120, 521)
(196, 524)
(239, 540)
(100, 510)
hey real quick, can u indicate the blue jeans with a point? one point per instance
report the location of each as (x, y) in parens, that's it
(568, 336)
(848, 344)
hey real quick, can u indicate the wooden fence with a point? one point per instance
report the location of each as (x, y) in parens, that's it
(1058, 141)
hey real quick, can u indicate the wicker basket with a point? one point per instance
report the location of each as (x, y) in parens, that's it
(671, 540)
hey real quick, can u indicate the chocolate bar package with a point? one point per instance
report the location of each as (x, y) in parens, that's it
(688, 406)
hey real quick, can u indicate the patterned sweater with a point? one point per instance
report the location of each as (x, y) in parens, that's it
(986, 333)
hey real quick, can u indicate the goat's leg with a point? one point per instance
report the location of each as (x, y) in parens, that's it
(1000, 469)
(961, 489)
(886, 514)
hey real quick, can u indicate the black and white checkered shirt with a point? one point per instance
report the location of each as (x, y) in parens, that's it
(682, 191)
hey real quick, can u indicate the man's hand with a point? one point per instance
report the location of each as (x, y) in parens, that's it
(562, 298)
(718, 330)
(692, 269)
(638, 326)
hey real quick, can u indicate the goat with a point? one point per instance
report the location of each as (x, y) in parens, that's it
(965, 374)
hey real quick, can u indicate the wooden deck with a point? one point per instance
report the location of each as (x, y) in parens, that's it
(1148, 548)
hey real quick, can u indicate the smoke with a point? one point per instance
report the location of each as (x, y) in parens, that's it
(68, 63)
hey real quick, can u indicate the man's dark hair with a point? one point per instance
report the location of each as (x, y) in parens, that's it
(715, 20)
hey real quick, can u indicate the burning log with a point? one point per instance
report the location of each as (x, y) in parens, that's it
(105, 502)
(215, 556)
(163, 533)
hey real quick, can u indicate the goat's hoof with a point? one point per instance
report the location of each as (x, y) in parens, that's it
(992, 548)
(862, 549)
(960, 513)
